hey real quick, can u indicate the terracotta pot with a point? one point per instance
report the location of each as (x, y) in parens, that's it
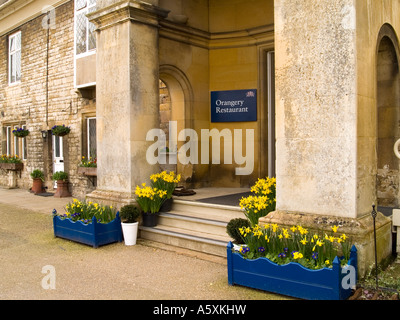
(62, 189)
(37, 186)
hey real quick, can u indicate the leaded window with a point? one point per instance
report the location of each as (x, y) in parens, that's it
(85, 37)
(14, 58)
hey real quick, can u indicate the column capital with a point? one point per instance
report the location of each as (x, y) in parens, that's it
(123, 11)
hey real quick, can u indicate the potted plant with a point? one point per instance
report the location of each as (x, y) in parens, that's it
(38, 179)
(13, 163)
(150, 200)
(88, 223)
(293, 261)
(129, 215)
(232, 229)
(88, 167)
(168, 182)
(20, 132)
(62, 184)
(60, 130)
(262, 202)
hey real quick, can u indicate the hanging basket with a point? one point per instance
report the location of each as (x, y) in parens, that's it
(20, 132)
(60, 131)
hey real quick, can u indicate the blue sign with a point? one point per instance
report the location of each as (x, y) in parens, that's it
(234, 106)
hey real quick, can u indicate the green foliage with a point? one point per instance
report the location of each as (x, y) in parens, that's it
(60, 175)
(295, 244)
(10, 159)
(37, 174)
(60, 130)
(129, 213)
(232, 229)
(85, 211)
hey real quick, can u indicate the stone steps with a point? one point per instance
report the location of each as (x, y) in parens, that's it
(194, 225)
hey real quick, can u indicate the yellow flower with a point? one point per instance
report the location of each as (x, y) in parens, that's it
(304, 241)
(335, 228)
(344, 237)
(297, 255)
(327, 262)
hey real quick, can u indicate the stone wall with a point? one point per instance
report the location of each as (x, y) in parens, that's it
(39, 105)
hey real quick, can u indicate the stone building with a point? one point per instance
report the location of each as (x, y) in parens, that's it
(304, 90)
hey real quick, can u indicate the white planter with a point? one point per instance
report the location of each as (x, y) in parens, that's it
(130, 231)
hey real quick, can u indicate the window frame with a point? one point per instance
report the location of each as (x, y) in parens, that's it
(14, 53)
(12, 145)
(88, 136)
(90, 4)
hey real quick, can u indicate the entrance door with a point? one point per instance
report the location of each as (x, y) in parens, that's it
(58, 155)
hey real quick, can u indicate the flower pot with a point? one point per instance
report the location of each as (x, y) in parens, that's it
(12, 166)
(292, 279)
(149, 219)
(130, 230)
(88, 171)
(167, 205)
(94, 234)
(37, 186)
(62, 189)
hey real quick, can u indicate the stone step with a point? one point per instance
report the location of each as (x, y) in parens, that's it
(206, 210)
(194, 225)
(187, 222)
(197, 241)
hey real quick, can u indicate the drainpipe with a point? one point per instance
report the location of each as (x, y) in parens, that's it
(47, 69)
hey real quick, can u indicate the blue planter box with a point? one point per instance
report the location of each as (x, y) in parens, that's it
(93, 234)
(292, 279)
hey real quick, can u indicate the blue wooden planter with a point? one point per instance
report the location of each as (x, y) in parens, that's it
(93, 234)
(291, 279)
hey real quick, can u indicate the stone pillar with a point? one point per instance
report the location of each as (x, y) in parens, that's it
(316, 121)
(127, 95)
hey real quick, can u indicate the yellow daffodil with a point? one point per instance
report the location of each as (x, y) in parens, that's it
(335, 228)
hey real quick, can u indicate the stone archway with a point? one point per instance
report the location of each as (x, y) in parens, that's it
(175, 84)
(388, 116)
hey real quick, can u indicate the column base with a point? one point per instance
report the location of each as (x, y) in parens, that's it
(359, 230)
(111, 198)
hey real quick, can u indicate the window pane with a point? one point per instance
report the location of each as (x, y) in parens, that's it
(18, 41)
(24, 148)
(12, 68)
(80, 4)
(8, 132)
(81, 22)
(92, 144)
(92, 34)
(12, 44)
(18, 65)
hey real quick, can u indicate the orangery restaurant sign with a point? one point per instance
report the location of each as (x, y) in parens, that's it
(234, 106)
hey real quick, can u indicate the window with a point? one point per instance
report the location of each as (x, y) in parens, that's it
(85, 38)
(14, 58)
(13, 145)
(91, 138)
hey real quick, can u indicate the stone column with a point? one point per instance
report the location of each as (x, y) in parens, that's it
(316, 121)
(127, 75)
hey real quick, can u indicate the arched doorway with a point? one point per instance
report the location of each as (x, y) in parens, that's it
(388, 115)
(175, 107)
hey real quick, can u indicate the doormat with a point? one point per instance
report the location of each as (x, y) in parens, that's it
(45, 194)
(228, 200)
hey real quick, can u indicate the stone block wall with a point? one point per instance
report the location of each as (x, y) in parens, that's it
(45, 97)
